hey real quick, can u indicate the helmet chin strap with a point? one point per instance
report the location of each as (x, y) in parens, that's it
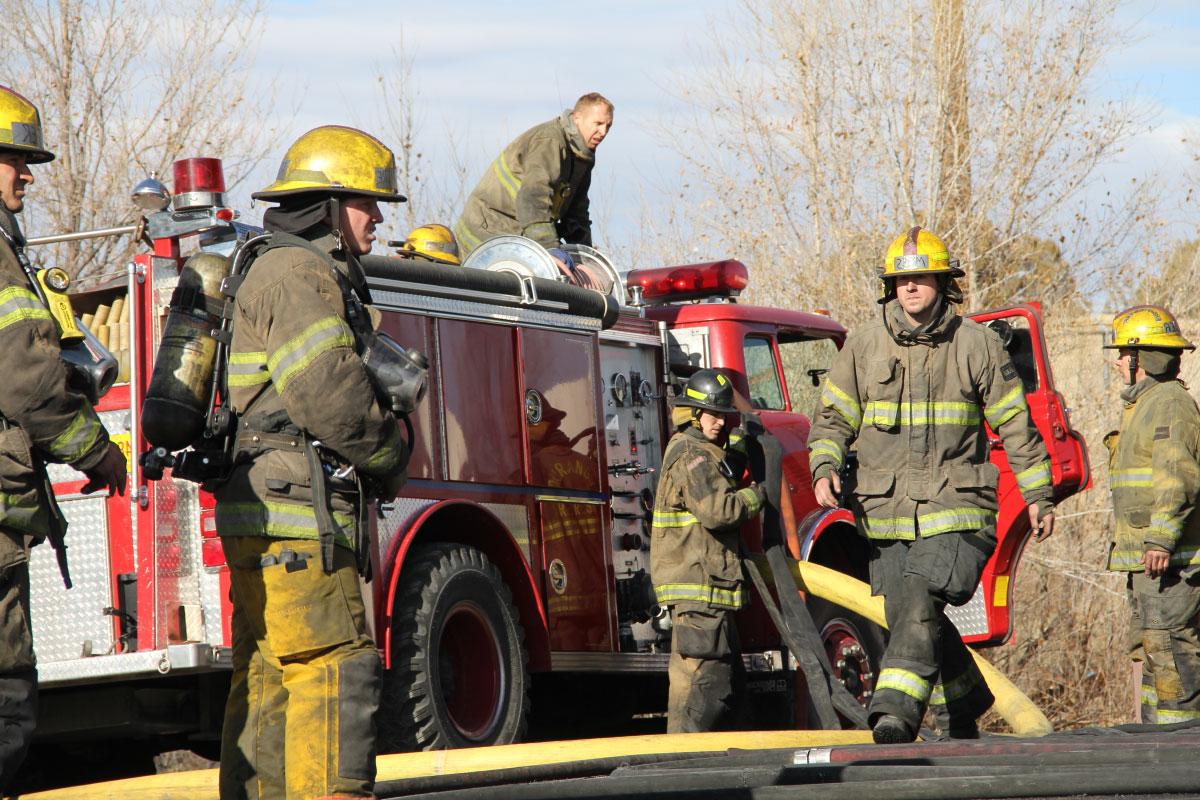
(1133, 367)
(335, 222)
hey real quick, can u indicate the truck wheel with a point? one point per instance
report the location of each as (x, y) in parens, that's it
(459, 675)
(853, 645)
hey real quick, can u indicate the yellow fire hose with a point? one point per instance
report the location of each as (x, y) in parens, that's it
(1016, 709)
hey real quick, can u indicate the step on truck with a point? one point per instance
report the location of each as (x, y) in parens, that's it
(511, 577)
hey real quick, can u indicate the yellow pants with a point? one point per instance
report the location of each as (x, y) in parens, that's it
(300, 719)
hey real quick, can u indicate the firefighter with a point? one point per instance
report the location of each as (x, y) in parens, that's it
(430, 243)
(538, 186)
(42, 420)
(911, 393)
(299, 721)
(695, 557)
(1154, 474)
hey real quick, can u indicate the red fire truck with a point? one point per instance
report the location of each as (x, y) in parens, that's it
(515, 564)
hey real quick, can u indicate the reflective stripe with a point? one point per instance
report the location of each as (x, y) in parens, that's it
(1006, 407)
(509, 181)
(701, 593)
(78, 438)
(20, 514)
(839, 401)
(465, 235)
(1169, 716)
(272, 518)
(1132, 559)
(387, 456)
(18, 303)
(955, 689)
(913, 414)
(1149, 695)
(750, 497)
(935, 522)
(1139, 476)
(1162, 523)
(827, 447)
(1035, 477)
(247, 369)
(903, 681)
(674, 519)
(301, 350)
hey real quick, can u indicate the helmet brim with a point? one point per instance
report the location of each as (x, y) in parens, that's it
(293, 188)
(33, 155)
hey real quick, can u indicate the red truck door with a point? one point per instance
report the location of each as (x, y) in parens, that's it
(985, 619)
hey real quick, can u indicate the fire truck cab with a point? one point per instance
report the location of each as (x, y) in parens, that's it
(512, 573)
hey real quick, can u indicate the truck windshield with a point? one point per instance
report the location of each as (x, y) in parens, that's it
(762, 374)
(805, 362)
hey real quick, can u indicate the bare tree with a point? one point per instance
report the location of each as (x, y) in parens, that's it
(125, 89)
(436, 191)
(821, 131)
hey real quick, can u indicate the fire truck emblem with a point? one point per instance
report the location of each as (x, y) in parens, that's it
(558, 576)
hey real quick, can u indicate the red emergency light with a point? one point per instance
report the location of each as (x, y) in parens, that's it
(690, 281)
(199, 183)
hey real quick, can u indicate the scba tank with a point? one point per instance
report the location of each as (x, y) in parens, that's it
(180, 391)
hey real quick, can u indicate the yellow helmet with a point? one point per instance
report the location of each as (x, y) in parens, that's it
(919, 252)
(1147, 326)
(433, 241)
(334, 159)
(21, 127)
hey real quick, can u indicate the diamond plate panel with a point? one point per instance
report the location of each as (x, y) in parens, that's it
(177, 551)
(516, 519)
(970, 619)
(65, 621)
(396, 517)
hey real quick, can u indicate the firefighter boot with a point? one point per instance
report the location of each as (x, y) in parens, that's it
(890, 729)
(18, 710)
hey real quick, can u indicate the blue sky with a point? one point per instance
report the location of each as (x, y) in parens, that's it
(489, 70)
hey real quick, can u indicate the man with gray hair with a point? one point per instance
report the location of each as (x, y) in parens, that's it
(538, 186)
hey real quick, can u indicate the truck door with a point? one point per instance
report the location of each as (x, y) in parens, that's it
(561, 402)
(985, 619)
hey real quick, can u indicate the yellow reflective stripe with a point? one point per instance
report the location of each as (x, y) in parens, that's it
(77, 438)
(270, 518)
(20, 513)
(387, 456)
(674, 519)
(1132, 559)
(247, 369)
(1163, 523)
(302, 349)
(701, 593)
(465, 235)
(827, 447)
(1035, 477)
(1006, 407)
(935, 522)
(1149, 695)
(921, 413)
(18, 303)
(839, 401)
(903, 681)
(955, 689)
(509, 181)
(1138, 476)
(752, 500)
(1169, 716)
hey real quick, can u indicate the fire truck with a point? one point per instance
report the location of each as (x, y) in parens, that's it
(511, 575)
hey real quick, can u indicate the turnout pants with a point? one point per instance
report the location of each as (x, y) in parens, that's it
(926, 662)
(707, 677)
(300, 719)
(1164, 635)
(18, 678)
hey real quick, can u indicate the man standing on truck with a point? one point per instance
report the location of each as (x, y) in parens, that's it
(312, 441)
(1154, 474)
(695, 557)
(911, 392)
(538, 186)
(41, 420)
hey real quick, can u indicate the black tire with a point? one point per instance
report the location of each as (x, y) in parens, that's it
(459, 675)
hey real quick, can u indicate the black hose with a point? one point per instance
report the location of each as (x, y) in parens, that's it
(501, 288)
